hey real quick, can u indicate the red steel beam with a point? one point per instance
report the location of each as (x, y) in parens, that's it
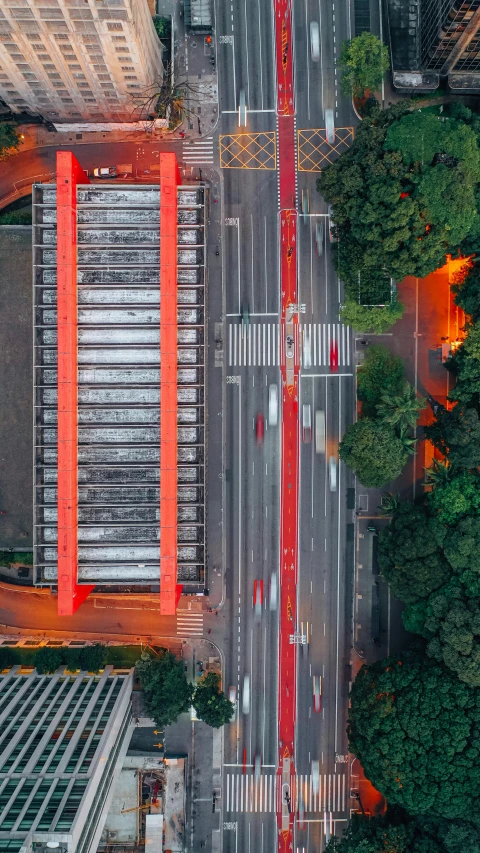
(169, 589)
(70, 592)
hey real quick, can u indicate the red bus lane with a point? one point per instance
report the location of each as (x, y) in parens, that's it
(290, 425)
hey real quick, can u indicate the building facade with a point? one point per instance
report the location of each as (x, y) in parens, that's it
(63, 738)
(74, 60)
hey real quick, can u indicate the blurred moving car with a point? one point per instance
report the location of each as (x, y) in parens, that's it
(232, 695)
(257, 764)
(307, 349)
(315, 776)
(332, 473)
(273, 405)
(273, 599)
(245, 314)
(259, 428)
(333, 355)
(317, 693)
(319, 232)
(242, 110)
(319, 431)
(258, 597)
(330, 127)
(306, 423)
(246, 694)
(105, 172)
(315, 41)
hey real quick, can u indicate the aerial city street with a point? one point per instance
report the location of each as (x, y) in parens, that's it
(240, 426)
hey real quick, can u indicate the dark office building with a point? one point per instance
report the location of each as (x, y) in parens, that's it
(435, 40)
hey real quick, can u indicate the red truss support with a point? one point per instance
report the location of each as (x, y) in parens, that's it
(70, 592)
(169, 589)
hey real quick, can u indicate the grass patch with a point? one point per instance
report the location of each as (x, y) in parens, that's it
(9, 557)
(16, 217)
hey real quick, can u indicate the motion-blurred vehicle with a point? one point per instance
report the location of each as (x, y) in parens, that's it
(332, 473)
(307, 349)
(315, 776)
(330, 126)
(259, 428)
(246, 694)
(319, 431)
(273, 405)
(319, 239)
(105, 172)
(331, 224)
(290, 347)
(317, 693)
(232, 695)
(258, 597)
(245, 314)
(257, 765)
(306, 423)
(273, 598)
(305, 205)
(315, 41)
(242, 110)
(333, 355)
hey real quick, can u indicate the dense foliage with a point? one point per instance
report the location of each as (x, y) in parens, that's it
(363, 64)
(404, 195)
(166, 689)
(381, 372)
(397, 832)
(9, 139)
(416, 731)
(210, 703)
(373, 452)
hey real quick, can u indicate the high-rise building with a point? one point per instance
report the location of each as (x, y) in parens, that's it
(63, 739)
(433, 41)
(72, 60)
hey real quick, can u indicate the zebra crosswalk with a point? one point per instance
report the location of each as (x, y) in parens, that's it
(262, 344)
(189, 623)
(199, 151)
(247, 793)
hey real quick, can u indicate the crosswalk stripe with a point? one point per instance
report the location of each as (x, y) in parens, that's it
(198, 151)
(189, 623)
(246, 793)
(263, 345)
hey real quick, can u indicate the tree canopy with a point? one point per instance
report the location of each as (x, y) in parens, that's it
(369, 319)
(166, 690)
(363, 64)
(416, 731)
(410, 553)
(210, 702)
(373, 451)
(403, 195)
(9, 139)
(456, 433)
(456, 498)
(398, 832)
(465, 364)
(381, 371)
(48, 660)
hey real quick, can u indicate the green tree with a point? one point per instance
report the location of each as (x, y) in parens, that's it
(363, 63)
(439, 474)
(409, 443)
(210, 703)
(373, 452)
(462, 550)
(48, 659)
(367, 320)
(166, 690)
(410, 553)
(7, 657)
(465, 365)
(456, 433)
(398, 832)
(401, 409)
(458, 497)
(381, 371)
(92, 658)
(467, 291)
(9, 139)
(415, 729)
(389, 193)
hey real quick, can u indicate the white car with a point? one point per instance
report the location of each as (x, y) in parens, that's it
(332, 473)
(315, 776)
(105, 172)
(307, 349)
(330, 126)
(246, 694)
(273, 405)
(242, 110)
(315, 41)
(273, 599)
(319, 431)
(319, 239)
(232, 695)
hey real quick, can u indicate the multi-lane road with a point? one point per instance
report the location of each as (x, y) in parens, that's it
(254, 354)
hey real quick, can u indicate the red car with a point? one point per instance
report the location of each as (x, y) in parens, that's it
(259, 428)
(257, 597)
(333, 355)
(317, 693)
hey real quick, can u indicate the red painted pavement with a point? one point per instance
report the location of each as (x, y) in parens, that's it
(290, 423)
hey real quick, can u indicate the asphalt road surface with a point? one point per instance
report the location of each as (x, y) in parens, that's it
(246, 61)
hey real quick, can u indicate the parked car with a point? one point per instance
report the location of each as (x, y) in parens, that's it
(105, 172)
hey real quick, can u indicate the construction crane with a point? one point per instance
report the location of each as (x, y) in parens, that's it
(136, 808)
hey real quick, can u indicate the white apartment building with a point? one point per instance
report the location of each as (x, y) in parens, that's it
(77, 60)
